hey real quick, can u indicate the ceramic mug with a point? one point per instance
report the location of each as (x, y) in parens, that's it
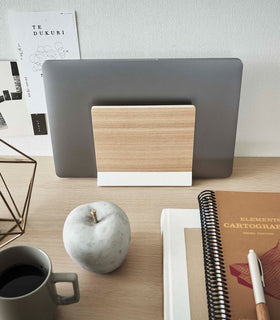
(42, 302)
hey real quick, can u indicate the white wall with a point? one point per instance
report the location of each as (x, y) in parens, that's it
(248, 29)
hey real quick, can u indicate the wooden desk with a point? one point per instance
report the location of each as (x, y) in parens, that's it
(135, 290)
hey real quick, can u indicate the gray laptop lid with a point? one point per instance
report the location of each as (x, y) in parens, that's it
(74, 86)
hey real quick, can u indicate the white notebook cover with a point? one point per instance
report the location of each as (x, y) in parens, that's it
(175, 272)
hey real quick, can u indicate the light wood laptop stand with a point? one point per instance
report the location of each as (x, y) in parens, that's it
(144, 145)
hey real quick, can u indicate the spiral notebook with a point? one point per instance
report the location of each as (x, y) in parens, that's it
(231, 224)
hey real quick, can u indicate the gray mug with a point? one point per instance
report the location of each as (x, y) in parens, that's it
(42, 302)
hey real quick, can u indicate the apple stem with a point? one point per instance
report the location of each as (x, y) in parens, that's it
(93, 212)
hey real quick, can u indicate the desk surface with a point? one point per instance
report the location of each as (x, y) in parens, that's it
(134, 291)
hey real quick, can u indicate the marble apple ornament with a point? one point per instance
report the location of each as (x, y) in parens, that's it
(97, 236)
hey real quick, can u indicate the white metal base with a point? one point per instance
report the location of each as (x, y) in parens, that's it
(173, 179)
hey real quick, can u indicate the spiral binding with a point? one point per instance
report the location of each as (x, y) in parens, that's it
(214, 266)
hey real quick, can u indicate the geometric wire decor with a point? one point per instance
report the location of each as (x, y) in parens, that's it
(13, 224)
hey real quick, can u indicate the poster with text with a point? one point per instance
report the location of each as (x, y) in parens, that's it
(14, 117)
(41, 36)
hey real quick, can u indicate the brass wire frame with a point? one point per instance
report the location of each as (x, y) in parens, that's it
(20, 218)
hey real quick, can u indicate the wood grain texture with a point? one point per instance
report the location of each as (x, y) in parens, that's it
(135, 290)
(144, 139)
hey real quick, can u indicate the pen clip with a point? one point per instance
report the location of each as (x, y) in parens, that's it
(261, 271)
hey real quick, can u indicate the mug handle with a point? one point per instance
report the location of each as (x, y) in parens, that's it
(67, 277)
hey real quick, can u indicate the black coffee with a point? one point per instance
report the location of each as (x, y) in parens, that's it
(21, 279)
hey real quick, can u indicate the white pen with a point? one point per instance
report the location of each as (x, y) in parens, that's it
(257, 278)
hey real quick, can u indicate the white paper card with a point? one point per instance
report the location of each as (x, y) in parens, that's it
(41, 36)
